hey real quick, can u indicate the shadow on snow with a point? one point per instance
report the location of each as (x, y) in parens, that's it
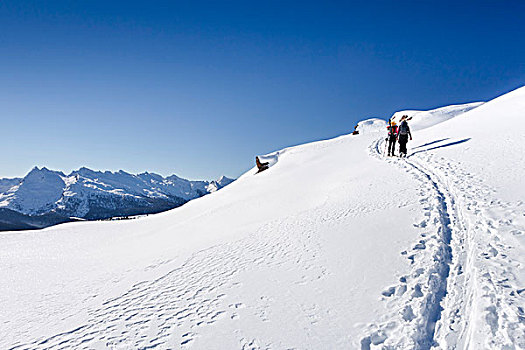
(431, 143)
(445, 145)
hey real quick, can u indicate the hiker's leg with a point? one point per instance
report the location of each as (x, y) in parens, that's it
(403, 139)
(393, 147)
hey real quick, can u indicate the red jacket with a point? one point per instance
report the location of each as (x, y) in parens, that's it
(392, 131)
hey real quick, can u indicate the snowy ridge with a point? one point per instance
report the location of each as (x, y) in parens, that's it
(216, 185)
(334, 247)
(6, 184)
(372, 125)
(425, 119)
(97, 195)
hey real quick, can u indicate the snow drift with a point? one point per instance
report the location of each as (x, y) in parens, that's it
(424, 119)
(372, 125)
(334, 247)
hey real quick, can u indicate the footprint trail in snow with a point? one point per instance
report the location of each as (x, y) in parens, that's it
(463, 290)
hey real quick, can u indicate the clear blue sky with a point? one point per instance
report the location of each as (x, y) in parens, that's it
(199, 88)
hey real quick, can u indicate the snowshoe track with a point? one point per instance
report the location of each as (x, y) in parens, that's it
(451, 300)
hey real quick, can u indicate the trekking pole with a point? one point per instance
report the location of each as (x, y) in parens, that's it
(386, 139)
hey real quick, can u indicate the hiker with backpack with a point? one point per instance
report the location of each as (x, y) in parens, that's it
(392, 137)
(403, 135)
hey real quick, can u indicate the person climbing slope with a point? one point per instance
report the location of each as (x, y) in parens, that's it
(392, 137)
(403, 135)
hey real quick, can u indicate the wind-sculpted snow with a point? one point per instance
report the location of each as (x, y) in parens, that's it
(373, 125)
(335, 246)
(425, 119)
(271, 158)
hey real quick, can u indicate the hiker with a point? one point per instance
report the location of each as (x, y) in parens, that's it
(261, 166)
(403, 135)
(392, 137)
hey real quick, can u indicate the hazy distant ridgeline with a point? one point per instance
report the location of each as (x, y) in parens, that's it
(45, 197)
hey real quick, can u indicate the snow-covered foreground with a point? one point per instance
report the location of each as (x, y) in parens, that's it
(334, 247)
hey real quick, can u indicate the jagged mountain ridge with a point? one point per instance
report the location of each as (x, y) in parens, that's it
(6, 184)
(90, 194)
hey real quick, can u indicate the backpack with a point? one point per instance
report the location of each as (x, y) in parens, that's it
(403, 128)
(393, 130)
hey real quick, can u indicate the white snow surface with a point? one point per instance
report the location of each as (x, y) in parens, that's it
(335, 246)
(424, 119)
(372, 125)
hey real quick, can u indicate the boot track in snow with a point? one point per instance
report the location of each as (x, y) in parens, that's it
(461, 293)
(418, 299)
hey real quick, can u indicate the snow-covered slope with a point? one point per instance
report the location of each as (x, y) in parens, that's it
(424, 119)
(471, 167)
(98, 195)
(372, 125)
(334, 247)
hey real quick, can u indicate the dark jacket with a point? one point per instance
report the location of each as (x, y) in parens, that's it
(404, 129)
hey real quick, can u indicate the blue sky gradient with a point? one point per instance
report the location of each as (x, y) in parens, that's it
(199, 88)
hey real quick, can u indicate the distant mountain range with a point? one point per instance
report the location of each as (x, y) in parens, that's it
(45, 197)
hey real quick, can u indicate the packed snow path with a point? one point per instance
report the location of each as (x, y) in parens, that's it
(334, 247)
(440, 301)
(417, 297)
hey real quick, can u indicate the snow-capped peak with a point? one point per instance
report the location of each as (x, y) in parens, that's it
(86, 193)
(38, 192)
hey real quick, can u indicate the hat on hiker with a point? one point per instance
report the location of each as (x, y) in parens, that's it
(393, 123)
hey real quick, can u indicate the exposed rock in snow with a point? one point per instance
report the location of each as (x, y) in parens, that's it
(7, 184)
(218, 184)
